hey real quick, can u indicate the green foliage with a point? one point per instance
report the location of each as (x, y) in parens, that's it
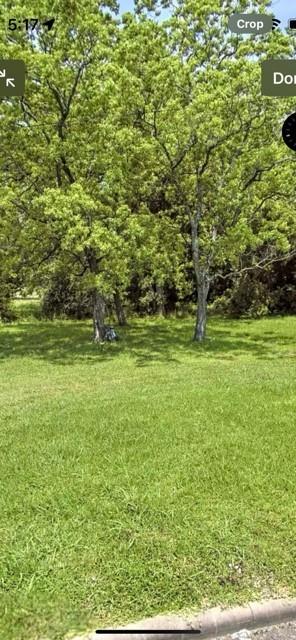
(283, 300)
(249, 297)
(65, 298)
(141, 149)
(6, 313)
(260, 292)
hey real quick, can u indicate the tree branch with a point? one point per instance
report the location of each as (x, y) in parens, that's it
(262, 264)
(258, 172)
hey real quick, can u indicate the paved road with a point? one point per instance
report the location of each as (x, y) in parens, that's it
(279, 632)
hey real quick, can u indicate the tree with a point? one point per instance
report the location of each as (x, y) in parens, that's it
(68, 177)
(218, 139)
(137, 142)
(85, 210)
(10, 265)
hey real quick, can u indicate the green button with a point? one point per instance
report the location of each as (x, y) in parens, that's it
(278, 78)
(12, 77)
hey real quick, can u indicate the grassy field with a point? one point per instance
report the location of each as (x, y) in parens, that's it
(146, 476)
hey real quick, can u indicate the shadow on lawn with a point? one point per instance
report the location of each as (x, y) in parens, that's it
(66, 343)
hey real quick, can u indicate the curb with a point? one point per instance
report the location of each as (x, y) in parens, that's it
(209, 624)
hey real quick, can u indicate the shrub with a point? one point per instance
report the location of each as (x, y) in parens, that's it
(65, 298)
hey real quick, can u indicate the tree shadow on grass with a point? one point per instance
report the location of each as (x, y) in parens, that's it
(147, 342)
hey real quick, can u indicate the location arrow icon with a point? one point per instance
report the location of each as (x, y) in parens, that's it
(49, 23)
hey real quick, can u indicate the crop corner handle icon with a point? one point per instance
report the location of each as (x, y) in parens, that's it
(289, 131)
(12, 78)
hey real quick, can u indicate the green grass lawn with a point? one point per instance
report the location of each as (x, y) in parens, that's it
(134, 476)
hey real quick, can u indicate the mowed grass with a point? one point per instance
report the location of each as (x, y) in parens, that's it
(151, 475)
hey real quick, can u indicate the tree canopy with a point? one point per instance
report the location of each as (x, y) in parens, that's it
(142, 148)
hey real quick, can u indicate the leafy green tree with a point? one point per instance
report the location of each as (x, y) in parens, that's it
(220, 153)
(65, 151)
(10, 265)
(133, 138)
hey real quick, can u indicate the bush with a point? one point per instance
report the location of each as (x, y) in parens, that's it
(255, 294)
(248, 297)
(283, 300)
(65, 298)
(6, 313)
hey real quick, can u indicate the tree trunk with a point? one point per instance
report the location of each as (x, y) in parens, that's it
(203, 286)
(98, 316)
(119, 309)
(160, 307)
(202, 276)
(201, 264)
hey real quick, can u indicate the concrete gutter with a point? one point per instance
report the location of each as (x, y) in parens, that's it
(209, 624)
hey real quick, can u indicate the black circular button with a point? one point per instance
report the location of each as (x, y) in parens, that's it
(289, 132)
